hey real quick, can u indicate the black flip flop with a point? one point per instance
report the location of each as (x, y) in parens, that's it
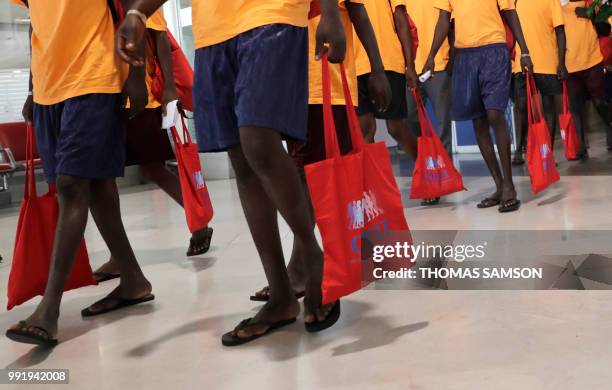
(102, 277)
(21, 335)
(266, 298)
(329, 321)
(204, 246)
(231, 340)
(430, 202)
(488, 202)
(510, 206)
(120, 304)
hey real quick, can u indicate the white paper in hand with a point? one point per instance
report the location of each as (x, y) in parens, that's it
(172, 115)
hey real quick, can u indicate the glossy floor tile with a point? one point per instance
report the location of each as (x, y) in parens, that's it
(412, 340)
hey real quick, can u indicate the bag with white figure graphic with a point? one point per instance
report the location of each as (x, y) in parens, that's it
(540, 157)
(196, 200)
(353, 196)
(434, 173)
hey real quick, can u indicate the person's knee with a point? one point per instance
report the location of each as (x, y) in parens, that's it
(73, 189)
(496, 118)
(240, 165)
(368, 125)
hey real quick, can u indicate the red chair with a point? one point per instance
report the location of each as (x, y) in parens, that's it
(13, 150)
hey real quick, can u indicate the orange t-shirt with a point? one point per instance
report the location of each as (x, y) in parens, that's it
(538, 22)
(425, 17)
(73, 50)
(582, 44)
(477, 22)
(216, 21)
(389, 45)
(315, 81)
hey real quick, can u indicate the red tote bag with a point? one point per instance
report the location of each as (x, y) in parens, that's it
(196, 199)
(352, 196)
(540, 157)
(434, 173)
(183, 76)
(568, 128)
(34, 242)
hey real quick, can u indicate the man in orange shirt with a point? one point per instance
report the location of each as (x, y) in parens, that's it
(436, 89)
(390, 23)
(544, 31)
(585, 64)
(353, 14)
(481, 81)
(251, 91)
(148, 145)
(77, 87)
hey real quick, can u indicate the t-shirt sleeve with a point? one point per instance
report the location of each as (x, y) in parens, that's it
(506, 5)
(156, 21)
(557, 13)
(444, 5)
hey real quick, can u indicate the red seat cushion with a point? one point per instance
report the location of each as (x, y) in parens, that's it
(5, 167)
(13, 136)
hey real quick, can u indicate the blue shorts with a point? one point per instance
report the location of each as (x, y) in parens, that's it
(481, 81)
(256, 79)
(83, 136)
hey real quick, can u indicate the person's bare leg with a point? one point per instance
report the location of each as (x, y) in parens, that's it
(502, 137)
(367, 122)
(105, 209)
(261, 216)
(279, 177)
(485, 144)
(553, 106)
(520, 110)
(404, 137)
(165, 179)
(74, 197)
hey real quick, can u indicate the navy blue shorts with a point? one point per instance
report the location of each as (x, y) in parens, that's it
(256, 79)
(83, 136)
(481, 81)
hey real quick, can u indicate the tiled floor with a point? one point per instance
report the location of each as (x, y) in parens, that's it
(421, 340)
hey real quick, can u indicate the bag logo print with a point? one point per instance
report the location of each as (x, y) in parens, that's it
(544, 153)
(359, 210)
(198, 179)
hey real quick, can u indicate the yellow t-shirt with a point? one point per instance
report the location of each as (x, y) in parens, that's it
(216, 21)
(315, 81)
(538, 21)
(477, 22)
(425, 17)
(73, 50)
(583, 50)
(158, 23)
(381, 17)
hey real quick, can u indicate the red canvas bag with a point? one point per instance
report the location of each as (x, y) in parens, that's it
(353, 196)
(196, 199)
(434, 173)
(540, 157)
(34, 242)
(567, 128)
